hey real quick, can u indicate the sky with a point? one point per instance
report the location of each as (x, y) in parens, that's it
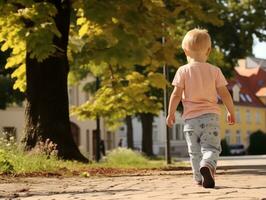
(259, 49)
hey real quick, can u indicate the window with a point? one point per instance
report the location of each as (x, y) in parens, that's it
(260, 82)
(171, 134)
(248, 98)
(237, 115)
(257, 117)
(248, 135)
(9, 133)
(227, 136)
(179, 132)
(88, 139)
(238, 137)
(71, 95)
(155, 132)
(75, 131)
(242, 97)
(87, 96)
(248, 116)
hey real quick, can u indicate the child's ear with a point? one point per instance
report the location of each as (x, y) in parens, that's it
(209, 51)
(186, 52)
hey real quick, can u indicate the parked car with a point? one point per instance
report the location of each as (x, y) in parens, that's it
(237, 149)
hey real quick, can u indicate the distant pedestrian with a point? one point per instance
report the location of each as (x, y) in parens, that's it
(102, 147)
(198, 84)
(120, 143)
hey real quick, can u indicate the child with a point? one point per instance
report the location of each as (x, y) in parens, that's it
(198, 83)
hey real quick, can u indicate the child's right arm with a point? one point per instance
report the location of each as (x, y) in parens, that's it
(228, 102)
(173, 103)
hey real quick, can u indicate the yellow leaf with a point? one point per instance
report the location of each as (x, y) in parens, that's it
(114, 20)
(81, 20)
(83, 30)
(19, 72)
(5, 46)
(157, 80)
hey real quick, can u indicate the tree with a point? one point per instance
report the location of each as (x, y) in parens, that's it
(257, 143)
(244, 20)
(130, 141)
(37, 33)
(131, 40)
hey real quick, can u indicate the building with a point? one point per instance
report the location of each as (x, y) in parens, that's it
(12, 121)
(248, 89)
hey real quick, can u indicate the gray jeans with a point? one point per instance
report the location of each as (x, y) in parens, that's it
(203, 140)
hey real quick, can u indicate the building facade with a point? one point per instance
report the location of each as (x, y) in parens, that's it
(12, 121)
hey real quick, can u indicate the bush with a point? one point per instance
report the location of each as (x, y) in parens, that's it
(257, 143)
(225, 148)
(5, 165)
(14, 160)
(123, 156)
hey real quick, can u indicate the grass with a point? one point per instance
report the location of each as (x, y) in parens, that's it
(17, 162)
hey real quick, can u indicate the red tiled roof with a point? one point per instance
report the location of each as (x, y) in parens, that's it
(261, 92)
(249, 86)
(246, 71)
(255, 81)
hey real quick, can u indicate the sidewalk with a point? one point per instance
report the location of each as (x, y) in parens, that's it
(238, 162)
(230, 184)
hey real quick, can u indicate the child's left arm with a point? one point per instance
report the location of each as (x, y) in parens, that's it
(173, 103)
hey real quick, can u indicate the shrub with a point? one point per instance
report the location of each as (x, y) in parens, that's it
(225, 148)
(5, 165)
(122, 157)
(257, 143)
(47, 148)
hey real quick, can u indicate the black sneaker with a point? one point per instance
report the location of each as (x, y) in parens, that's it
(208, 177)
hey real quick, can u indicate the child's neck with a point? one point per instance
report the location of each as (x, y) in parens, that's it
(192, 60)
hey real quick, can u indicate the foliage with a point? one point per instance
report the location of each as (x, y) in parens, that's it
(114, 43)
(126, 96)
(26, 25)
(5, 166)
(109, 38)
(16, 161)
(257, 143)
(127, 158)
(242, 21)
(7, 94)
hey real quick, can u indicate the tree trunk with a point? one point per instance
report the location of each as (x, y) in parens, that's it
(130, 143)
(147, 142)
(47, 110)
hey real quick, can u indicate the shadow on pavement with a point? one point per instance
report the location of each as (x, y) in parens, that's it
(243, 171)
(245, 188)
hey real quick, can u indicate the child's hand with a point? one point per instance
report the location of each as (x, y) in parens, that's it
(230, 119)
(170, 120)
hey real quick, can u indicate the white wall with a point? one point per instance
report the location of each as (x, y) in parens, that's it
(159, 135)
(13, 117)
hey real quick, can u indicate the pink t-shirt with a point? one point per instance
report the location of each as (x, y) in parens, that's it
(199, 81)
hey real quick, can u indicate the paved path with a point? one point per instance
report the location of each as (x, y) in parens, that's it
(174, 185)
(238, 162)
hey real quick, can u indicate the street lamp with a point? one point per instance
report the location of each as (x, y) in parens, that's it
(98, 130)
(166, 102)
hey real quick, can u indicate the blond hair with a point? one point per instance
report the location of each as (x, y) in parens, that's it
(197, 41)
